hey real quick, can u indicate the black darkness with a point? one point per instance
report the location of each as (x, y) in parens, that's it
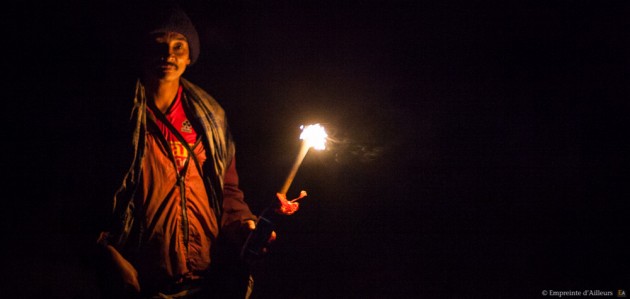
(480, 146)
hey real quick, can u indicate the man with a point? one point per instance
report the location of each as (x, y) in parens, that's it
(179, 217)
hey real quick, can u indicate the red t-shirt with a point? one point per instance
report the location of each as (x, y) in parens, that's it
(177, 117)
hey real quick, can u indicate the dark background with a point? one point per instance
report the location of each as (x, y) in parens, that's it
(479, 148)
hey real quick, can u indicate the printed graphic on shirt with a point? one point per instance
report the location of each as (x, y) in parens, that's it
(186, 127)
(180, 153)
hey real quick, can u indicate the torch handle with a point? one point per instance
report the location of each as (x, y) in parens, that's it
(296, 165)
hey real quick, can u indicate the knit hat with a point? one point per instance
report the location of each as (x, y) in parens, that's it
(171, 17)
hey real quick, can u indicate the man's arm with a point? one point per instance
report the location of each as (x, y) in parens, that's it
(235, 209)
(238, 219)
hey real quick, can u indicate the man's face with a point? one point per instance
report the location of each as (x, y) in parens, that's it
(167, 56)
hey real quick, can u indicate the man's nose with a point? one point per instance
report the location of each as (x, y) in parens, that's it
(171, 53)
(165, 52)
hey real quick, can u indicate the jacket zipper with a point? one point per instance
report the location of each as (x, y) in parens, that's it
(182, 188)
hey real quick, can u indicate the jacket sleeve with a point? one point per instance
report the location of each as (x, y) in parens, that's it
(235, 209)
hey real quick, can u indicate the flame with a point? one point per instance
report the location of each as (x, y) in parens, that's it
(314, 136)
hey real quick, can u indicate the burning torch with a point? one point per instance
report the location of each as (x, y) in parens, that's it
(313, 136)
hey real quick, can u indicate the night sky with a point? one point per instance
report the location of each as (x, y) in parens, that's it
(478, 149)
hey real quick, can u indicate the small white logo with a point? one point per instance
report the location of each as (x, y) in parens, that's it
(186, 127)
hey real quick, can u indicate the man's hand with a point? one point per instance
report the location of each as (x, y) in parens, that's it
(251, 226)
(128, 273)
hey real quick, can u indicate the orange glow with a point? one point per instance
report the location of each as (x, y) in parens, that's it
(288, 207)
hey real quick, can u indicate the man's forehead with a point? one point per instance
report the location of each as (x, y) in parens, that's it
(168, 35)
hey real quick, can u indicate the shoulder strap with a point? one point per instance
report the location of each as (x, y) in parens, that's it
(181, 139)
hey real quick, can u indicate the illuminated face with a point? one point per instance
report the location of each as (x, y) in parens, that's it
(167, 56)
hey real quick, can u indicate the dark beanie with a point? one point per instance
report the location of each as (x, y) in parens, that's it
(171, 17)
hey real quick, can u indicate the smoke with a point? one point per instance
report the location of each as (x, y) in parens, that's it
(346, 150)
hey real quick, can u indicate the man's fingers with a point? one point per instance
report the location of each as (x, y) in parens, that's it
(272, 237)
(251, 225)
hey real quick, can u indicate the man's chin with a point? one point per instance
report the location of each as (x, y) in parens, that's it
(165, 74)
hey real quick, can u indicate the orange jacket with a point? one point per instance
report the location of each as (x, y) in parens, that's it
(165, 233)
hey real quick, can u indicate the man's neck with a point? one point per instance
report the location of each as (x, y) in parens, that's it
(162, 93)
